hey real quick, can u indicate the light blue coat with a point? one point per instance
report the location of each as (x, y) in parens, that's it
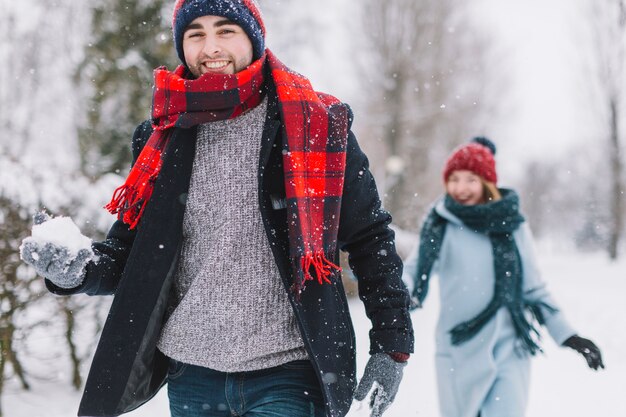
(488, 373)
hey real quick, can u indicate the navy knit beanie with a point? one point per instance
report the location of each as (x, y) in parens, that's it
(244, 13)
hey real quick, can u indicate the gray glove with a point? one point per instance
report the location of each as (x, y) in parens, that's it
(55, 262)
(387, 373)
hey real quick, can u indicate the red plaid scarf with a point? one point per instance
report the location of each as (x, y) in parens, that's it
(315, 130)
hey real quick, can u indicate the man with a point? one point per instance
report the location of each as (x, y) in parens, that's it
(244, 185)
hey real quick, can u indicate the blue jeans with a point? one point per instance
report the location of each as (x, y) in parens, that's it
(289, 390)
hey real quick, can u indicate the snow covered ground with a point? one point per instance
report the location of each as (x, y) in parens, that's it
(589, 289)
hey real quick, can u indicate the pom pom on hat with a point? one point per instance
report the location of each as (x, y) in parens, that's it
(481, 140)
(476, 156)
(245, 13)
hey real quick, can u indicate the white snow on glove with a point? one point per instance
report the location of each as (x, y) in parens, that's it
(384, 375)
(57, 250)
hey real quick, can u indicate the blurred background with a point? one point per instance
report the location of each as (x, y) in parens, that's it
(544, 80)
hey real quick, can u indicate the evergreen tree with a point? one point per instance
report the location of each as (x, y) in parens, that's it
(130, 39)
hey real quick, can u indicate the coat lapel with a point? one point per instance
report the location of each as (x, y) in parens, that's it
(130, 369)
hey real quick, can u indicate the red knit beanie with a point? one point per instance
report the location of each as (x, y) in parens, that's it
(477, 156)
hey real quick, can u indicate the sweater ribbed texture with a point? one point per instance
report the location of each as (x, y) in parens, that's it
(232, 313)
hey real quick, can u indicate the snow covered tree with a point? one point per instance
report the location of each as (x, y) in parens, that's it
(424, 88)
(17, 292)
(562, 200)
(130, 38)
(19, 85)
(38, 168)
(608, 26)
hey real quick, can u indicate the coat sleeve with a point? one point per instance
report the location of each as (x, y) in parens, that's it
(104, 273)
(535, 288)
(365, 234)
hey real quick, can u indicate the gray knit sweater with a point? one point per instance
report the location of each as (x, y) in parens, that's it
(231, 311)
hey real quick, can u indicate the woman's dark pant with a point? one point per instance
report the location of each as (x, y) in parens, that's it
(289, 390)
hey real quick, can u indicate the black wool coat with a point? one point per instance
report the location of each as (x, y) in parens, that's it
(138, 266)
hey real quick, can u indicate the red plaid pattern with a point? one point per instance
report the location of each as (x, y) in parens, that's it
(316, 127)
(315, 131)
(181, 102)
(128, 199)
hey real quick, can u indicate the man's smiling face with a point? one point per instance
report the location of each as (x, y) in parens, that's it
(214, 44)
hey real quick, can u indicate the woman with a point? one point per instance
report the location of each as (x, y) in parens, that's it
(492, 295)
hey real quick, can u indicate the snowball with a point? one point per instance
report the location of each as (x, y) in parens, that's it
(61, 231)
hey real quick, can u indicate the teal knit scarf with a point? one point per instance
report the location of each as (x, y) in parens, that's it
(497, 220)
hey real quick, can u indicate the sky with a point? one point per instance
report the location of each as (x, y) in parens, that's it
(543, 45)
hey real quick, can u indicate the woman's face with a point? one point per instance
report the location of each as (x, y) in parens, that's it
(465, 188)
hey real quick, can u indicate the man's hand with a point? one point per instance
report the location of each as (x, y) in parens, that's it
(63, 267)
(586, 348)
(387, 374)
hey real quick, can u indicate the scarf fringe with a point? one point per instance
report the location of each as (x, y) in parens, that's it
(309, 267)
(323, 268)
(526, 332)
(127, 202)
(117, 201)
(534, 308)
